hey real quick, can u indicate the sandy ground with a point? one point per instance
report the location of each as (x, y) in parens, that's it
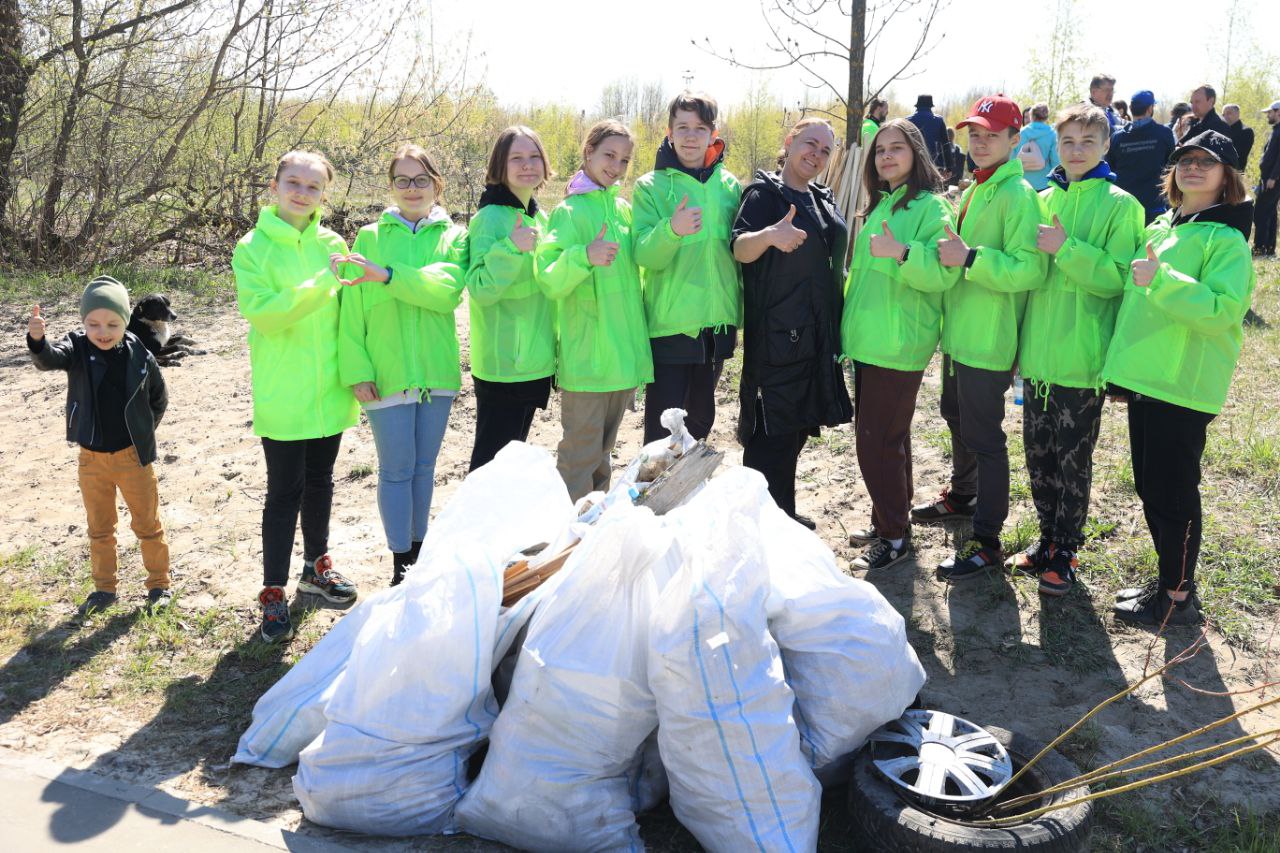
(994, 653)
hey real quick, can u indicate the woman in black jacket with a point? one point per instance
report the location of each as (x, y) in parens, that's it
(790, 239)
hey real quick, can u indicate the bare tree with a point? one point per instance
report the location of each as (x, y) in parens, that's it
(824, 38)
(1056, 68)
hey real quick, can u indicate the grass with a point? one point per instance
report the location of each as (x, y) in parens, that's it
(200, 284)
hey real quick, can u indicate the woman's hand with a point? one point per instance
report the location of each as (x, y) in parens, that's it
(953, 251)
(1145, 269)
(371, 271)
(524, 236)
(885, 245)
(784, 236)
(366, 392)
(601, 252)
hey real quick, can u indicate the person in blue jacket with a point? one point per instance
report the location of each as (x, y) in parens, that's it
(1039, 144)
(1139, 154)
(933, 128)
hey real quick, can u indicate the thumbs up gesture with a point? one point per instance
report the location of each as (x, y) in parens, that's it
(1145, 269)
(524, 236)
(952, 251)
(686, 220)
(885, 245)
(601, 252)
(1051, 237)
(786, 236)
(35, 326)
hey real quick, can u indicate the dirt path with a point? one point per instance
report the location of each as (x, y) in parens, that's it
(994, 653)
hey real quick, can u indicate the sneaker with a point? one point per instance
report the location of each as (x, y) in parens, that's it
(945, 507)
(276, 626)
(97, 600)
(972, 560)
(882, 555)
(327, 583)
(1158, 609)
(1032, 561)
(1059, 573)
(806, 521)
(158, 600)
(864, 535)
(1133, 592)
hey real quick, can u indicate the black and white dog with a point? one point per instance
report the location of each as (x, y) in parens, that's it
(150, 323)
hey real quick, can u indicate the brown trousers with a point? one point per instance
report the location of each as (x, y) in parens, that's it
(885, 402)
(101, 474)
(590, 420)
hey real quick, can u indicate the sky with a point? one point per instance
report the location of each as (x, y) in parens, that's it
(567, 50)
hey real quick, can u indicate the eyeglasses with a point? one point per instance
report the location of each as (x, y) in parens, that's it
(419, 181)
(1201, 164)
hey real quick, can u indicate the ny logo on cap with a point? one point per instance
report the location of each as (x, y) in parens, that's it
(985, 106)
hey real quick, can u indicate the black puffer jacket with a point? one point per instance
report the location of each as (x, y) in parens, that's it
(791, 318)
(147, 397)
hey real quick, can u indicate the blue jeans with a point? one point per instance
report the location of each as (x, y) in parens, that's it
(408, 439)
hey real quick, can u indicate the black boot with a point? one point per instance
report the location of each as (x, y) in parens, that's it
(400, 562)
(413, 552)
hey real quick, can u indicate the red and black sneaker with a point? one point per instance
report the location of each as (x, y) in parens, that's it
(1059, 573)
(325, 581)
(276, 626)
(1032, 561)
(947, 506)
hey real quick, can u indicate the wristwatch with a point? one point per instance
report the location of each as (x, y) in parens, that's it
(970, 258)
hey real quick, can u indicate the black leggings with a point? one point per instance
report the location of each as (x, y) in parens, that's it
(776, 456)
(299, 477)
(691, 387)
(1167, 442)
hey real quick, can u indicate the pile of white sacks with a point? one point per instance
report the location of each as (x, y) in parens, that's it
(716, 653)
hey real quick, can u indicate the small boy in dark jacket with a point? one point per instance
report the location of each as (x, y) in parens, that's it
(115, 399)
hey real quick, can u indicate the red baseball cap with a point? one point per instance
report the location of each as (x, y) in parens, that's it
(995, 113)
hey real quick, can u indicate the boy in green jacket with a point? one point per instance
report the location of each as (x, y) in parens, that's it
(1065, 333)
(999, 219)
(683, 213)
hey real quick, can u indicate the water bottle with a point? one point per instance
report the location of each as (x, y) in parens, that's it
(1017, 388)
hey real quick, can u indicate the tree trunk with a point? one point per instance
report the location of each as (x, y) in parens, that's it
(14, 75)
(857, 54)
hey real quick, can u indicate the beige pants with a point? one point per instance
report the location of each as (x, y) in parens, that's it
(101, 474)
(590, 420)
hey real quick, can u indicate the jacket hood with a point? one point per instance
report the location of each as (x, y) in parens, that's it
(1059, 175)
(437, 214)
(502, 194)
(1035, 130)
(1237, 216)
(668, 159)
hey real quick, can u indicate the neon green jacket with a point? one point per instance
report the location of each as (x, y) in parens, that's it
(1067, 324)
(603, 340)
(513, 324)
(690, 283)
(1178, 340)
(869, 129)
(893, 312)
(981, 314)
(402, 334)
(285, 290)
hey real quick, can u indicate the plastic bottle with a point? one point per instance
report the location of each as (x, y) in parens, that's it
(1017, 388)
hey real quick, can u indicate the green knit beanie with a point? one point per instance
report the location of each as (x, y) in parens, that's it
(105, 292)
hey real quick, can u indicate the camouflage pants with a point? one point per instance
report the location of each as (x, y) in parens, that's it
(1059, 430)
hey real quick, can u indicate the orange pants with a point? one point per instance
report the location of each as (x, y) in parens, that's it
(100, 475)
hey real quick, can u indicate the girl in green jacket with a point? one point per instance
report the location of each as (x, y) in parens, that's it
(287, 288)
(585, 263)
(398, 343)
(891, 325)
(513, 324)
(1176, 342)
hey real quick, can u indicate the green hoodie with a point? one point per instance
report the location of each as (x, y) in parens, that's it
(691, 283)
(981, 314)
(513, 324)
(604, 344)
(1067, 325)
(285, 290)
(402, 334)
(892, 311)
(1178, 339)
